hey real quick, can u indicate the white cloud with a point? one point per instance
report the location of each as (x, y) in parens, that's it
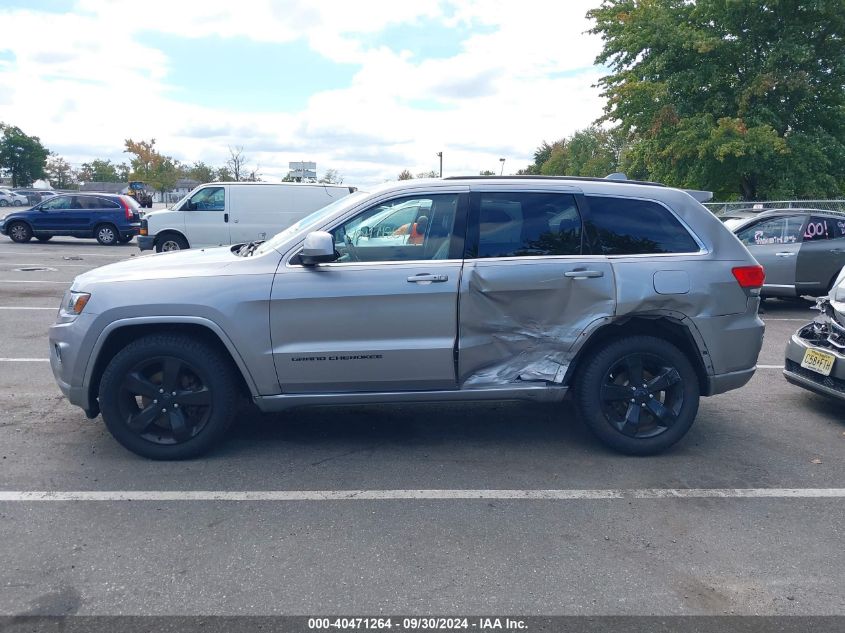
(525, 78)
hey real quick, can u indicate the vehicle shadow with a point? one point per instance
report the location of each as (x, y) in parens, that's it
(417, 425)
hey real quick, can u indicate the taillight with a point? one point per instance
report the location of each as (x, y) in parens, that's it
(126, 209)
(749, 277)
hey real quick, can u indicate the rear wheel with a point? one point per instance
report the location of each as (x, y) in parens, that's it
(168, 396)
(4, 203)
(106, 234)
(170, 242)
(20, 232)
(638, 395)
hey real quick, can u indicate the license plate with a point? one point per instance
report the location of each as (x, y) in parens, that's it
(819, 362)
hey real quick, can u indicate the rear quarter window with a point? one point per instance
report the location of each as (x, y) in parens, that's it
(626, 226)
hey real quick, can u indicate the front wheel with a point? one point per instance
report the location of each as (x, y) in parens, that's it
(20, 232)
(638, 395)
(170, 242)
(168, 396)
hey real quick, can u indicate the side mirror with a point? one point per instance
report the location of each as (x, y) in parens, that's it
(318, 248)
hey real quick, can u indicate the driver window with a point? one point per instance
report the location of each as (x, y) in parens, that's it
(208, 199)
(404, 229)
(780, 230)
(57, 204)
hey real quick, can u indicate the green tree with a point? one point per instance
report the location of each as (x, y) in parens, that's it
(332, 177)
(405, 175)
(102, 170)
(59, 172)
(200, 172)
(593, 152)
(486, 172)
(22, 156)
(150, 166)
(744, 98)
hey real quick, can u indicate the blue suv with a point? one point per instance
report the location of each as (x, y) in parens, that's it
(110, 218)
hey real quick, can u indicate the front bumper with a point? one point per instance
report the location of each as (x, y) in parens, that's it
(146, 242)
(69, 360)
(832, 385)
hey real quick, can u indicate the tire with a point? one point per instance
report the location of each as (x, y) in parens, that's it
(18, 203)
(170, 242)
(43, 238)
(4, 203)
(646, 420)
(106, 234)
(20, 232)
(133, 388)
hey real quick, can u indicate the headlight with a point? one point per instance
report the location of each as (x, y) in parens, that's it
(74, 302)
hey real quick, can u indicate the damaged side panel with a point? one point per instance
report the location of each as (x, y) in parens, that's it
(520, 318)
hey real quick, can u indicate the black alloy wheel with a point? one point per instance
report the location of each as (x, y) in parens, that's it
(168, 396)
(639, 395)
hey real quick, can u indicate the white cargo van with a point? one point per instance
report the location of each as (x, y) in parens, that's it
(220, 213)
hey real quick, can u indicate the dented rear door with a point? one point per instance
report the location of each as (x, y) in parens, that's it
(529, 288)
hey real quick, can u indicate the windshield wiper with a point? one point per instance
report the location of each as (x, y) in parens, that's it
(249, 248)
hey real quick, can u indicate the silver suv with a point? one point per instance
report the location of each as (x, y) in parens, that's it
(631, 297)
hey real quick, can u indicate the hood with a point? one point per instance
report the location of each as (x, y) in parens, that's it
(205, 262)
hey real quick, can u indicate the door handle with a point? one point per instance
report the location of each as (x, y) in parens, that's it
(785, 254)
(427, 277)
(583, 274)
(225, 217)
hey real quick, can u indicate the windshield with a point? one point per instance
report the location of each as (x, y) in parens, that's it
(310, 220)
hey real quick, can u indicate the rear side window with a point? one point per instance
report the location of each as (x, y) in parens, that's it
(638, 227)
(818, 229)
(526, 225)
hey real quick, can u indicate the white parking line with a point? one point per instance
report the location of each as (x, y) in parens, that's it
(54, 308)
(807, 320)
(436, 495)
(33, 281)
(24, 360)
(57, 254)
(769, 366)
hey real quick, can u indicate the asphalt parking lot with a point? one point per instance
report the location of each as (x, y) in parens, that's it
(407, 539)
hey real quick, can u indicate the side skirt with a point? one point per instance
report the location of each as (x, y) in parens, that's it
(536, 393)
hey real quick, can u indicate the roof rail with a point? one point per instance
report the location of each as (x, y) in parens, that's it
(579, 178)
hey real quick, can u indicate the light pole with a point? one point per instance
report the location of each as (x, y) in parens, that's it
(502, 170)
(440, 156)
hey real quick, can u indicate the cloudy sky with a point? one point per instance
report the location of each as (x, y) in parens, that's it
(366, 87)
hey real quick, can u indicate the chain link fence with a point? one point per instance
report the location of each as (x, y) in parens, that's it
(722, 208)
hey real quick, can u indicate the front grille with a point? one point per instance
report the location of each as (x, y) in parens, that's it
(826, 381)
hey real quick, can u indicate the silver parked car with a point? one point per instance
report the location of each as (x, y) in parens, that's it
(802, 250)
(815, 355)
(632, 297)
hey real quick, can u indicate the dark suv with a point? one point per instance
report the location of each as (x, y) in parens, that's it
(109, 218)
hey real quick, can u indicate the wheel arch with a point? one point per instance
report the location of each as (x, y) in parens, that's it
(661, 326)
(120, 333)
(165, 232)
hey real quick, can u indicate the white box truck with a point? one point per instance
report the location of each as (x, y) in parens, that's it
(222, 213)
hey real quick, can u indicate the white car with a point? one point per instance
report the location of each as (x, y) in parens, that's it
(10, 198)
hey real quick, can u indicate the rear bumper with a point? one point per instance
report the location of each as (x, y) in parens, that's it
(146, 242)
(721, 383)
